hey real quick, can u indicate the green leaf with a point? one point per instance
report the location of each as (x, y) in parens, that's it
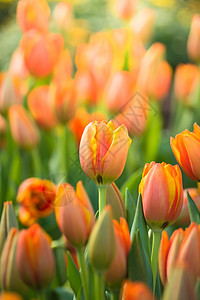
(130, 208)
(61, 272)
(132, 184)
(60, 294)
(139, 266)
(73, 274)
(108, 296)
(193, 210)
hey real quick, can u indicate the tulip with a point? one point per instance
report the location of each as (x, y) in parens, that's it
(22, 127)
(8, 221)
(102, 242)
(41, 108)
(125, 8)
(9, 275)
(193, 44)
(135, 290)
(162, 194)
(63, 67)
(17, 65)
(118, 268)
(35, 260)
(10, 296)
(115, 200)
(74, 213)
(36, 198)
(33, 14)
(186, 149)
(62, 14)
(103, 151)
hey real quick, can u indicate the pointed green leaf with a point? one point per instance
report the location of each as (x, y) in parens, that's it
(73, 274)
(130, 208)
(193, 210)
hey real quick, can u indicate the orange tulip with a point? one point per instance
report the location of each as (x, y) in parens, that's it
(116, 272)
(125, 9)
(63, 68)
(182, 248)
(33, 14)
(115, 200)
(103, 151)
(36, 198)
(22, 127)
(41, 108)
(17, 65)
(186, 149)
(35, 260)
(74, 213)
(193, 45)
(41, 51)
(162, 194)
(186, 82)
(10, 296)
(135, 291)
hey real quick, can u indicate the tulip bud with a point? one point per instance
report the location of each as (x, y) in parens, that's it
(35, 260)
(17, 65)
(186, 149)
(63, 67)
(8, 221)
(102, 242)
(125, 8)
(193, 45)
(74, 213)
(103, 151)
(135, 290)
(9, 275)
(10, 296)
(162, 194)
(115, 200)
(62, 14)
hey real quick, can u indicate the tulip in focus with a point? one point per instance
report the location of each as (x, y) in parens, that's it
(193, 44)
(35, 260)
(74, 213)
(103, 151)
(135, 291)
(162, 194)
(33, 14)
(23, 129)
(115, 200)
(118, 268)
(186, 149)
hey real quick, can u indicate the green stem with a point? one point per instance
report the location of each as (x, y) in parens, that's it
(99, 286)
(114, 294)
(154, 256)
(83, 272)
(42, 295)
(102, 198)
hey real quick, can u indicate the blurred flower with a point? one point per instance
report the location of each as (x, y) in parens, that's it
(41, 51)
(193, 45)
(115, 200)
(40, 106)
(118, 268)
(35, 260)
(74, 213)
(162, 194)
(102, 242)
(186, 149)
(184, 217)
(10, 296)
(17, 65)
(125, 9)
(103, 151)
(86, 90)
(182, 248)
(33, 14)
(36, 198)
(63, 68)
(186, 81)
(135, 290)
(62, 14)
(22, 127)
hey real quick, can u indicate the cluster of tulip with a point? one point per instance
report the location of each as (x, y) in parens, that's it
(62, 87)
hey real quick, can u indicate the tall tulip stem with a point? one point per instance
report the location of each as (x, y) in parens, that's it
(154, 256)
(102, 198)
(83, 272)
(99, 286)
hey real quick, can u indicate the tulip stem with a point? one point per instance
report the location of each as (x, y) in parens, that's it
(99, 286)
(102, 198)
(154, 256)
(114, 294)
(83, 272)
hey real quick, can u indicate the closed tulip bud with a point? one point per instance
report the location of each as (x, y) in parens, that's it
(135, 291)
(193, 44)
(103, 151)
(74, 213)
(62, 14)
(41, 107)
(125, 9)
(24, 131)
(102, 242)
(162, 194)
(10, 296)
(186, 149)
(63, 67)
(118, 268)
(35, 260)
(9, 275)
(8, 221)
(115, 200)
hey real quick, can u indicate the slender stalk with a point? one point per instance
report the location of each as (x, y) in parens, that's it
(114, 294)
(42, 295)
(198, 187)
(83, 272)
(154, 256)
(99, 286)
(102, 198)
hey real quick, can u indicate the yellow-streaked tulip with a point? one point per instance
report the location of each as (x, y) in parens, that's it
(74, 213)
(135, 291)
(186, 149)
(103, 151)
(162, 194)
(193, 44)
(23, 129)
(35, 260)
